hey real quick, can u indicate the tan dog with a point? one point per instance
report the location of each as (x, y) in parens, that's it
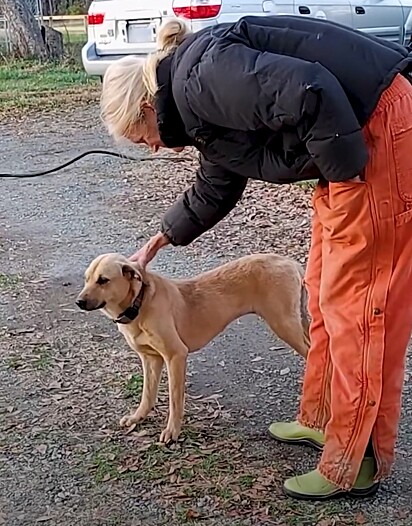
(163, 320)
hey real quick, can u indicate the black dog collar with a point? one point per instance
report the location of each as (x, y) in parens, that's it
(132, 312)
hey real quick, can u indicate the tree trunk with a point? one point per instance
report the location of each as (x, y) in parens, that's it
(54, 43)
(24, 30)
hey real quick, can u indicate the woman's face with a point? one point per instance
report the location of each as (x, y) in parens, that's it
(146, 131)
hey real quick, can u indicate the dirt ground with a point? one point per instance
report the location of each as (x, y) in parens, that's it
(66, 377)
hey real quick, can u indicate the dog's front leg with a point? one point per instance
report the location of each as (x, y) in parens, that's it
(152, 370)
(176, 370)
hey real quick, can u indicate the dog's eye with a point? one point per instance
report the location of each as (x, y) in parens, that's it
(102, 280)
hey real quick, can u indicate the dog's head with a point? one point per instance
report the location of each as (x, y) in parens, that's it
(111, 281)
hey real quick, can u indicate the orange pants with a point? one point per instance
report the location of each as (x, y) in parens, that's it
(359, 280)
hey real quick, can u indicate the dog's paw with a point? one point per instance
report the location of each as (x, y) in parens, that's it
(130, 420)
(170, 434)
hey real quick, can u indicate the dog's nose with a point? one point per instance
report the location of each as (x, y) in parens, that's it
(82, 304)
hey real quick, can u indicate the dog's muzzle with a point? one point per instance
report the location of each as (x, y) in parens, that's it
(83, 305)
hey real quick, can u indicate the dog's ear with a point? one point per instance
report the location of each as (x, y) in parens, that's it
(129, 272)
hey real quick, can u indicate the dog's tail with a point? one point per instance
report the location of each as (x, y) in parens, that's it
(304, 314)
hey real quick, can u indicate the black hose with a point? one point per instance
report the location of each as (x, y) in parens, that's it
(92, 152)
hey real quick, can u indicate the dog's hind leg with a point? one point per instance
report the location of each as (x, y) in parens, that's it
(288, 324)
(152, 370)
(292, 332)
(288, 319)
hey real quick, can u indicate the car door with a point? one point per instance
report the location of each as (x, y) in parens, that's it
(278, 7)
(232, 10)
(335, 10)
(407, 24)
(381, 18)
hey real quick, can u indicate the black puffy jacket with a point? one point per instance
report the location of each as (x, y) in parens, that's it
(280, 99)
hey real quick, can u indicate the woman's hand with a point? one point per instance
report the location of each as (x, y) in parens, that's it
(148, 251)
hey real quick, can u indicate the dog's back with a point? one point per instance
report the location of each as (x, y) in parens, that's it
(268, 285)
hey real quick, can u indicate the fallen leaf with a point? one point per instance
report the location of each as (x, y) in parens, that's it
(147, 446)
(54, 385)
(402, 513)
(106, 477)
(192, 514)
(22, 331)
(41, 449)
(257, 359)
(212, 397)
(360, 518)
(180, 495)
(173, 468)
(130, 429)
(142, 433)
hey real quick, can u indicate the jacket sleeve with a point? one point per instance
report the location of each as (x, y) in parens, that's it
(212, 196)
(266, 90)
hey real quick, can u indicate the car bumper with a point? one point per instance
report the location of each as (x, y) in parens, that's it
(96, 65)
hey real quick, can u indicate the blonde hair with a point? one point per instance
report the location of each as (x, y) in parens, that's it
(131, 81)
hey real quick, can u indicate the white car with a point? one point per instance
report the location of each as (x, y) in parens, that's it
(122, 27)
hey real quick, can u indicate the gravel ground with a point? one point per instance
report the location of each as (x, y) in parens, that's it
(66, 378)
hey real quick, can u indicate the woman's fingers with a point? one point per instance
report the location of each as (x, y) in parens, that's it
(139, 257)
(148, 251)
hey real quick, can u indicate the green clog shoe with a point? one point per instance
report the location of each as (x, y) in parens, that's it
(313, 486)
(295, 433)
